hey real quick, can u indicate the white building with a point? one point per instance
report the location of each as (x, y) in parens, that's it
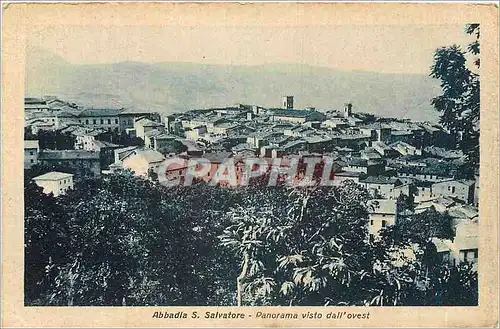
(381, 213)
(55, 182)
(141, 161)
(465, 246)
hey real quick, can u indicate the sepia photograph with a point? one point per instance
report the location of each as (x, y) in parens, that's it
(232, 165)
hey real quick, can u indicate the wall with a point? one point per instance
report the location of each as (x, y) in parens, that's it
(454, 189)
(57, 187)
(30, 157)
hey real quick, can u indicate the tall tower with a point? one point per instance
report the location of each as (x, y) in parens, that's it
(347, 110)
(287, 102)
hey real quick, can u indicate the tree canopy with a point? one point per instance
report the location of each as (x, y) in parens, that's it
(123, 240)
(460, 102)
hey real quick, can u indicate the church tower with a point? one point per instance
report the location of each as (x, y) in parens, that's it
(347, 110)
(287, 102)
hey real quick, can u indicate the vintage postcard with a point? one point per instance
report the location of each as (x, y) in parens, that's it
(249, 165)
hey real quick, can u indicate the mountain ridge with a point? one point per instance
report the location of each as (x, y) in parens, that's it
(169, 87)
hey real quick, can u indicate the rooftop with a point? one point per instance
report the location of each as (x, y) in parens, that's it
(32, 100)
(217, 157)
(104, 144)
(31, 144)
(145, 122)
(380, 180)
(381, 206)
(53, 175)
(68, 155)
(294, 113)
(100, 112)
(150, 155)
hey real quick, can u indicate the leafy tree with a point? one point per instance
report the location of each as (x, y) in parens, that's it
(127, 241)
(313, 250)
(121, 138)
(406, 202)
(123, 240)
(421, 227)
(459, 103)
(55, 140)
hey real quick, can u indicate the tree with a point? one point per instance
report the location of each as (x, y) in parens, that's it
(307, 246)
(420, 228)
(123, 240)
(459, 103)
(53, 140)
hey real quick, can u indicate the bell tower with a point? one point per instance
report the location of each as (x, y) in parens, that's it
(347, 110)
(287, 102)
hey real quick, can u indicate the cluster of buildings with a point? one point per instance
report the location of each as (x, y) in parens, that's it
(388, 157)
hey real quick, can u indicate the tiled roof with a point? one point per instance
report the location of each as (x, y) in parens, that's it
(100, 112)
(31, 144)
(153, 133)
(150, 155)
(217, 157)
(357, 162)
(53, 175)
(101, 144)
(376, 125)
(381, 206)
(165, 136)
(68, 155)
(379, 180)
(32, 100)
(294, 113)
(349, 174)
(145, 122)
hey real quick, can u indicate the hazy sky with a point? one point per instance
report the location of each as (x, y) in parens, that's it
(390, 49)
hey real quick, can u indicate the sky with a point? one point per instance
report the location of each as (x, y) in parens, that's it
(386, 49)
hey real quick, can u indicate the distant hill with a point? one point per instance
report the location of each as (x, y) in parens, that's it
(177, 87)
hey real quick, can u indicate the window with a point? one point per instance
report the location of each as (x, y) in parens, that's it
(180, 171)
(371, 222)
(383, 223)
(94, 121)
(116, 121)
(109, 121)
(60, 182)
(80, 120)
(102, 121)
(31, 160)
(453, 189)
(86, 121)
(31, 152)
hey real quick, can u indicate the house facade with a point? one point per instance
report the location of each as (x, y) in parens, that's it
(55, 182)
(31, 150)
(460, 189)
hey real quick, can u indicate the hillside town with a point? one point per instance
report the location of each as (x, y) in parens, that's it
(67, 142)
